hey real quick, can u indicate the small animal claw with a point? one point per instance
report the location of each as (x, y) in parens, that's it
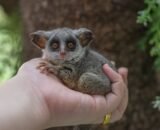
(46, 68)
(51, 70)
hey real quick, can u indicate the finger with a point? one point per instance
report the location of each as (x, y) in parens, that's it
(124, 101)
(124, 73)
(118, 87)
(118, 113)
(113, 75)
(114, 98)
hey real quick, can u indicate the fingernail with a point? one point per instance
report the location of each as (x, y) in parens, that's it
(106, 65)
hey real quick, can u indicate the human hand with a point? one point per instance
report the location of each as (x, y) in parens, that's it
(53, 104)
(118, 80)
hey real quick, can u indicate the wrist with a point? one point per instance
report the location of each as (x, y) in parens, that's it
(21, 106)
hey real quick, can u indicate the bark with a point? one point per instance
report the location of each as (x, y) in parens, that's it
(117, 34)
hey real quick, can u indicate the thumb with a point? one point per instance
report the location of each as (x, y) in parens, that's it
(124, 73)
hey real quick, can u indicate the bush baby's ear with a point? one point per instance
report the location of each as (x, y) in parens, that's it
(39, 39)
(84, 35)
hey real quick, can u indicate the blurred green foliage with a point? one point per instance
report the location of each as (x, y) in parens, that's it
(150, 18)
(156, 103)
(10, 44)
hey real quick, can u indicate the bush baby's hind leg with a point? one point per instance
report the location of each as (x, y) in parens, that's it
(91, 83)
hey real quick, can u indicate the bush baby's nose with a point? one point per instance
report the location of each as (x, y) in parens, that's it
(63, 53)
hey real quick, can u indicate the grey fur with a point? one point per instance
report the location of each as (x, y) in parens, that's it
(81, 69)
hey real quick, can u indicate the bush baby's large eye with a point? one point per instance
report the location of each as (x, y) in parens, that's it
(71, 45)
(55, 45)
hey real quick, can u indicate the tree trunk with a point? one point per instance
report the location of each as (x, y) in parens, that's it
(116, 31)
(9, 5)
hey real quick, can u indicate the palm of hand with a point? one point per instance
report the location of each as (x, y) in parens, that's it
(65, 106)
